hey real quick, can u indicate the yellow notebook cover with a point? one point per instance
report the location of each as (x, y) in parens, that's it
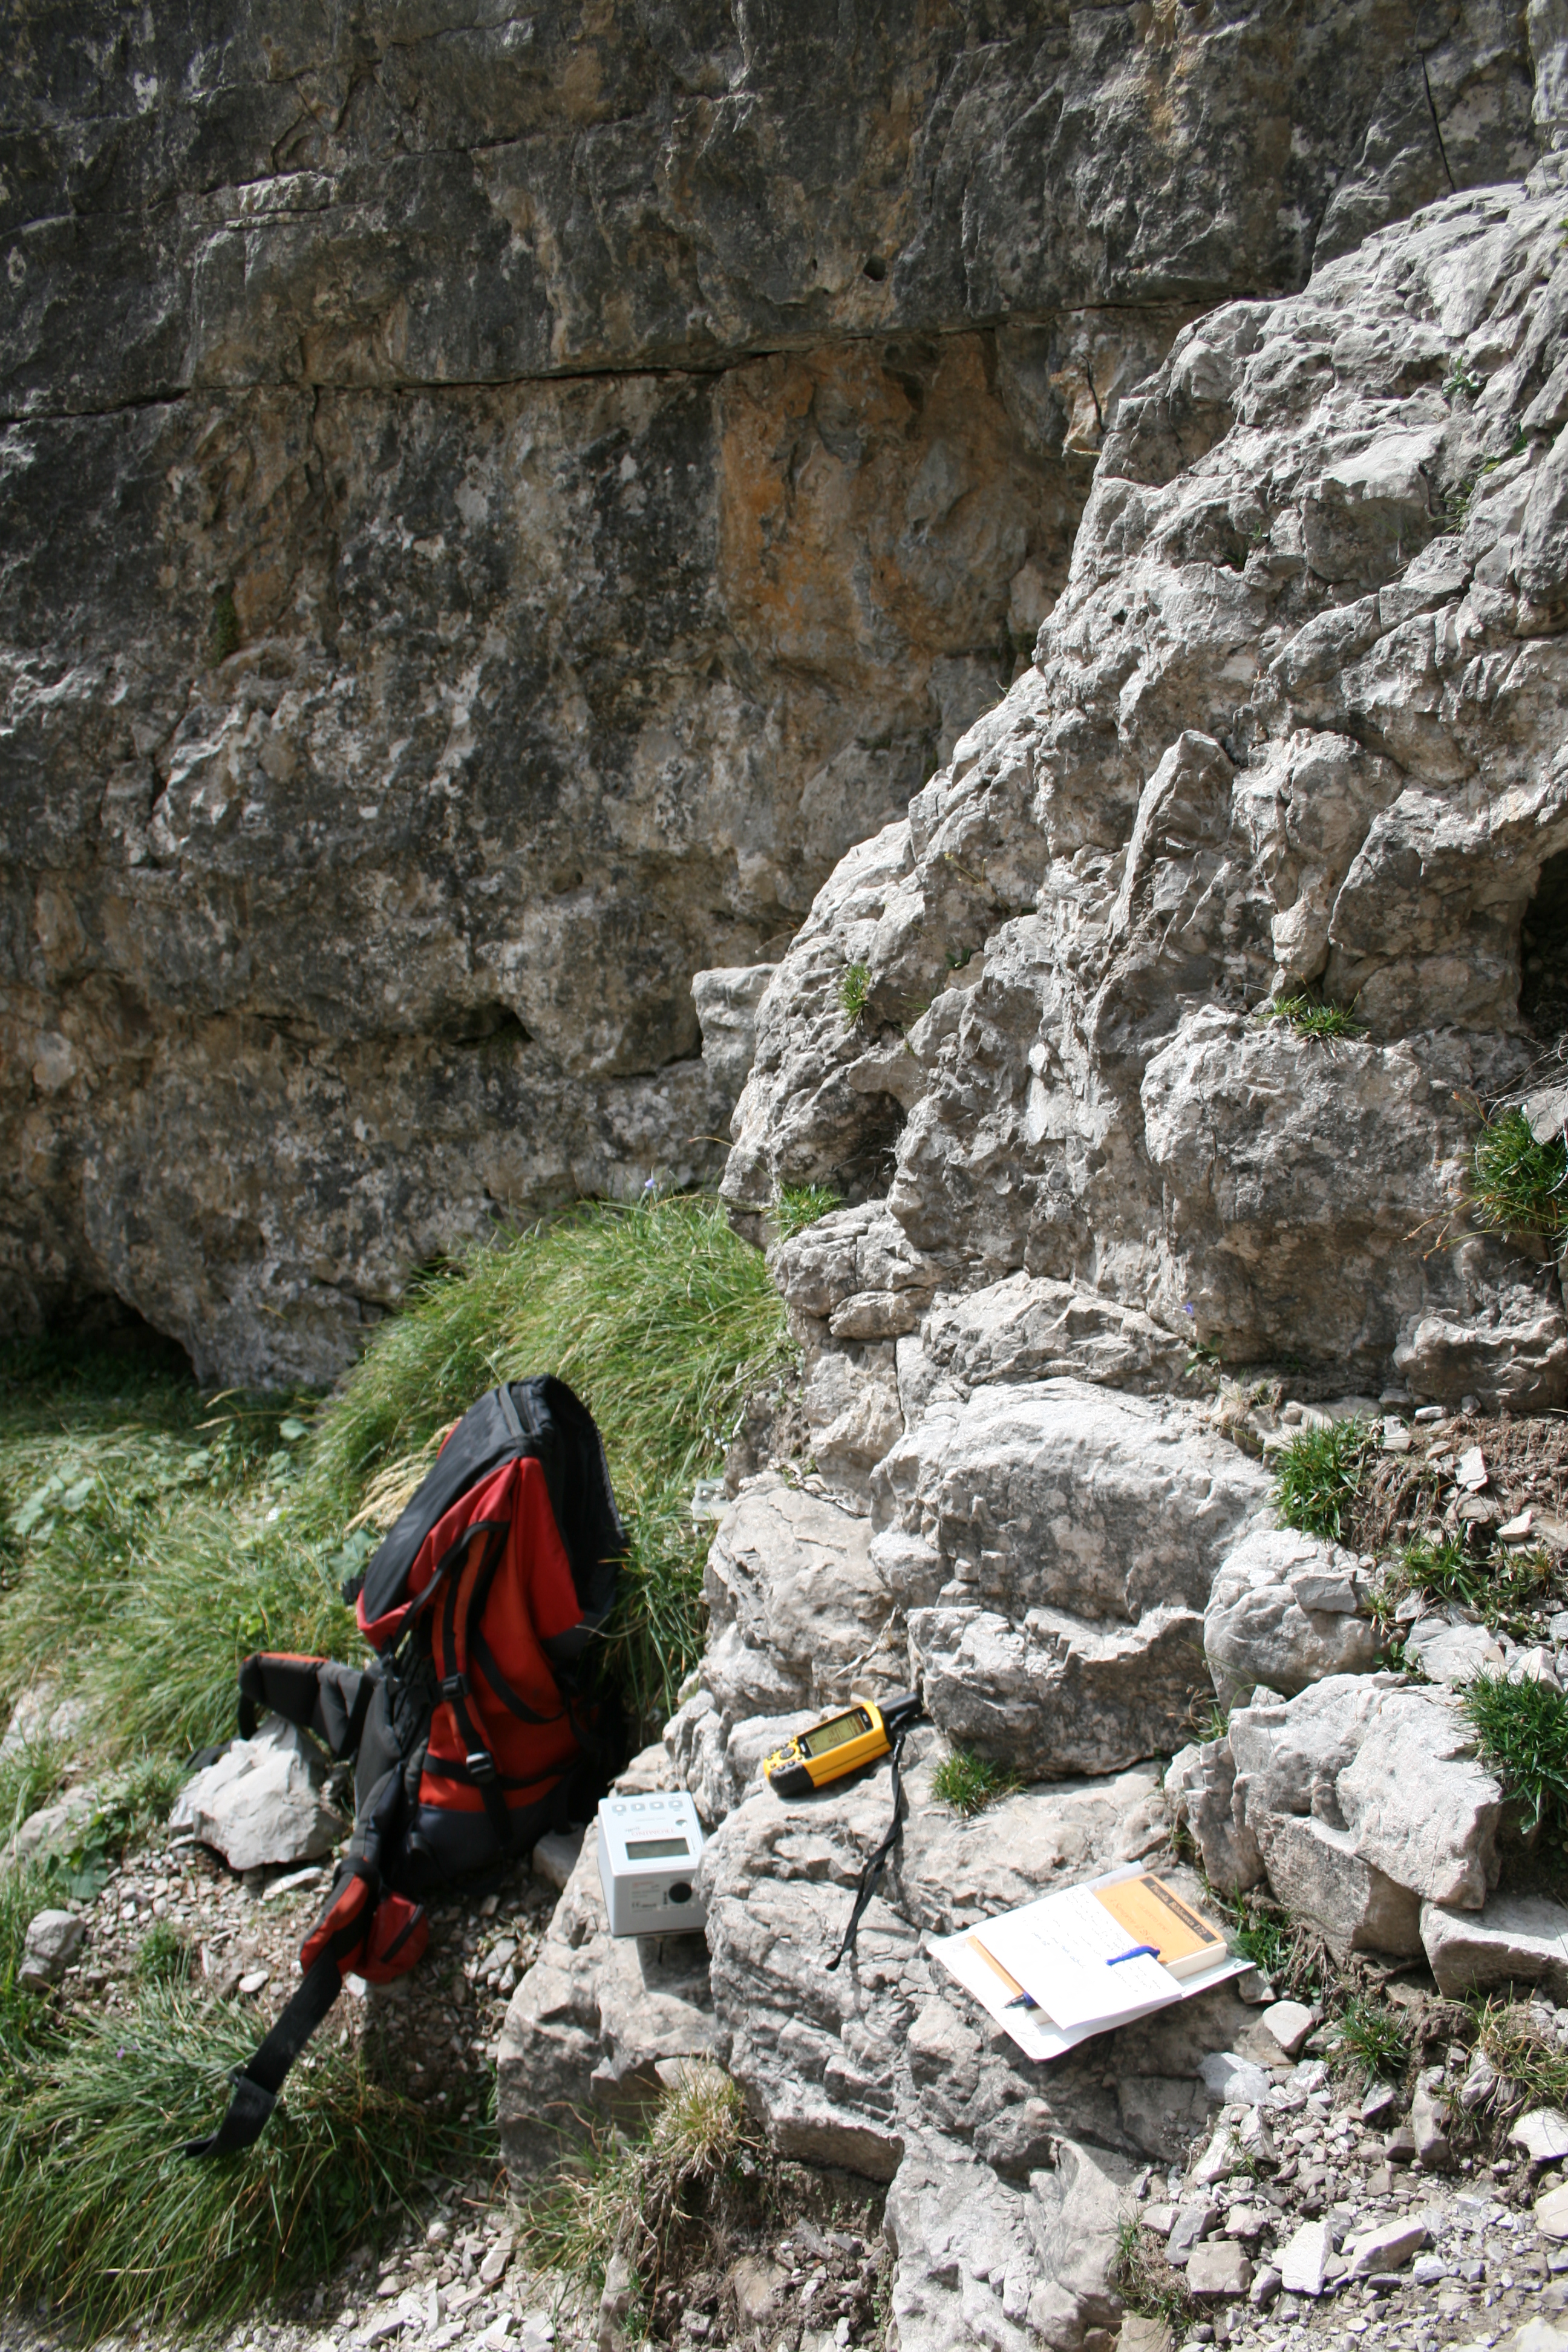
(1151, 1913)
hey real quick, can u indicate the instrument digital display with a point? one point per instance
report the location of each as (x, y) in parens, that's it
(834, 1733)
(655, 1849)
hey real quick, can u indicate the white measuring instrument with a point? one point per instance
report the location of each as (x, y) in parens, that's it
(649, 1848)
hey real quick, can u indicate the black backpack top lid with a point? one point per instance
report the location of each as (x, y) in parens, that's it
(542, 1418)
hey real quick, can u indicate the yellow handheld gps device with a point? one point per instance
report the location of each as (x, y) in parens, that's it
(840, 1744)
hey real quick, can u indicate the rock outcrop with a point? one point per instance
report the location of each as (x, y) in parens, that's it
(495, 507)
(1294, 725)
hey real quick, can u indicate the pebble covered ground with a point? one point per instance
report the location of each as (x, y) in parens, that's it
(1325, 2210)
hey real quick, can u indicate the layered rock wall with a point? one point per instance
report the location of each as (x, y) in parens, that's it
(495, 505)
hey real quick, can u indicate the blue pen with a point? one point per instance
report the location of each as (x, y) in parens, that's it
(1139, 1952)
(1024, 2000)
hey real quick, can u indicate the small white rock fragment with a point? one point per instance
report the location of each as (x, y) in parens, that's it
(1289, 2023)
(1265, 2287)
(1543, 2134)
(1231, 2078)
(1222, 2155)
(1218, 2268)
(1304, 2263)
(1471, 1473)
(1386, 2249)
(1552, 2212)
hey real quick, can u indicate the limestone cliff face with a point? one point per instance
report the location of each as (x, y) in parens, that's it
(495, 505)
(1295, 723)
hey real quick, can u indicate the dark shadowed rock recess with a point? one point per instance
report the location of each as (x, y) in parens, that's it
(496, 505)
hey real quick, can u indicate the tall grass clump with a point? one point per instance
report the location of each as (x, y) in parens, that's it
(1318, 1476)
(100, 2211)
(1517, 1185)
(156, 1542)
(661, 1317)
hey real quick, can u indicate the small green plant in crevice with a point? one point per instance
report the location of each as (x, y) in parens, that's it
(1463, 497)
(1265, 1933)
(1204, 1364)
(1149, 2285)
(1372, 2034)
(1521, 1731)
(651, 2198)
(1521, 2054)
(223, 629)
(969, 1782)
(1503, 1587)
(1310, 1017)
(1462, 382)
(959, 958)
(1210, 1719)
(1517, 1185)
(854, 990)
(796, 1206)
(1318, 1476)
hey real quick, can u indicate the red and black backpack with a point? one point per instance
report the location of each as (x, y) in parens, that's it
(474, 1727)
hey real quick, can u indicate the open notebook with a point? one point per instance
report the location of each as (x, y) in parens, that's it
(1087, 1957)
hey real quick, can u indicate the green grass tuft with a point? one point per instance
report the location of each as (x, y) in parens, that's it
(1503, 1587)
(969, 1782)
(796, 1206)
(1521, 2055)
(1318, 1476)
(1522, 1729)
(100, 2211)
(1517, 1185)
(1311, 1018)
(162, 1956)
(1372, 2033)
(1147, 2284)
(854, 990)
(698, 2161)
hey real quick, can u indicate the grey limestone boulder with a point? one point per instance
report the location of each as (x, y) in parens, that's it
(261, 1803)
(1243, 764)
(1200, 1789)
(858, 2065)
(1365, 1799)
(1054, 1544)
(797, 1611)
(52, 1941)
(1286, 1609)
(1512, 1939)
(1453, 1654)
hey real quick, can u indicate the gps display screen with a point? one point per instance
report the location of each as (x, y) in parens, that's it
(833, 1734)
(655, 1849)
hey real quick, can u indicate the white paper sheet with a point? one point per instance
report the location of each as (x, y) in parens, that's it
(1036, 2035)
(1066, 1951)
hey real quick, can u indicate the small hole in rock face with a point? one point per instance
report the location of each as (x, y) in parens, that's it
(482, 1024)
(1544, 952)
(874, 267)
